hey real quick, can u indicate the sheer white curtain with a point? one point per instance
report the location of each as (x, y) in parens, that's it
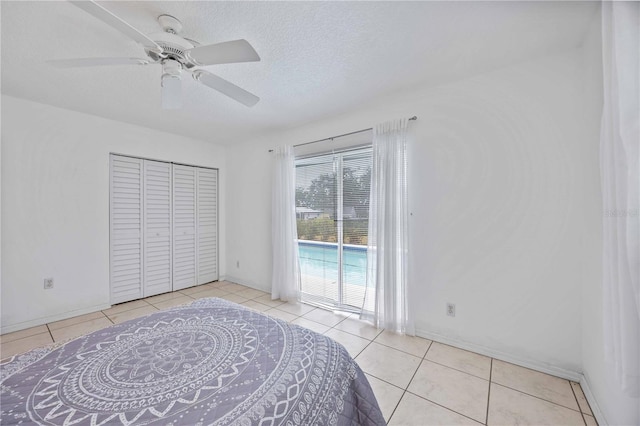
(285, 281)
(619, 157)
(386, 300)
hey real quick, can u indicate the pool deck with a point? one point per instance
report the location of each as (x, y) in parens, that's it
(325, 287)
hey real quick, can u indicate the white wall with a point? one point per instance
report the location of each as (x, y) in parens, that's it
(496, 194)
(55, 205)
(615, 408)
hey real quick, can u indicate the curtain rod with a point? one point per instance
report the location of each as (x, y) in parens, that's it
(415, 117)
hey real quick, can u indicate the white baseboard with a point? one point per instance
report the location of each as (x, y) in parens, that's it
(244, 282)
(503, 356)
(51, 318)
(593, 404)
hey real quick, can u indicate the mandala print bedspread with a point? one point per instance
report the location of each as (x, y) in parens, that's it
(211, 362)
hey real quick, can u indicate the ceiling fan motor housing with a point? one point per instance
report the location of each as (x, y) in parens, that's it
(173, 46)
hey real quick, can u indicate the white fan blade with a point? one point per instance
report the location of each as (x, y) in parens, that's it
(109, 18)
(171, 92)
(225, 87)
(96, 62)
(223, 53)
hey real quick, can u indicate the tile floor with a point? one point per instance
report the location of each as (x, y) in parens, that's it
(416, 381)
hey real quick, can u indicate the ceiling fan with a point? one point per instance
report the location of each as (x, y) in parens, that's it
(176, 54)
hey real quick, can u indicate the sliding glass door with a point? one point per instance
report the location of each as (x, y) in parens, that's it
(332, 210)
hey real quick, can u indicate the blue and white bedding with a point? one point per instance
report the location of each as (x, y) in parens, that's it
(210, 362)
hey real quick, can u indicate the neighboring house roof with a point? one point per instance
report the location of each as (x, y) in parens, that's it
(307, 210)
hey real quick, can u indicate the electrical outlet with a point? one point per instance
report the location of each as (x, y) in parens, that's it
(237, 264)
(48, 283)
(451, 309)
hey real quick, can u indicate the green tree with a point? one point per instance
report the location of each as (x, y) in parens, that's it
(322, 195)
(322, 192)
(302, 197)
(356, 187)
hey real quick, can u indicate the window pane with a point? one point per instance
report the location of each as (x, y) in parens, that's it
(356, 184)
(316, 211)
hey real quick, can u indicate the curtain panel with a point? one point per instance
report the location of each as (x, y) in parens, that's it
(285, 281)
(620, 175)
(386, 301)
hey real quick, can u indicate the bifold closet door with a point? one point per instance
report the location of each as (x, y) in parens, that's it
(184, 227)
(157, 228)
(207, 222)
(163, 227)
(126, 228)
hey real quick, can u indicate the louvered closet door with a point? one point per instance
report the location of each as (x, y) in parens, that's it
(126, 248)
(184, 227)
(157, 228)
(207, 220)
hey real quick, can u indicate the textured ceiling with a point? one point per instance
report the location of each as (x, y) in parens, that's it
(319, 59)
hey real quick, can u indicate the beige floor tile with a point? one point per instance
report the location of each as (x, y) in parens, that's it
(75, 330)
(176, 301)
(252, 304)
(359, 328)
(386, 394)
(214, 284)
(322, 316)
(296, 308)
(164, 297)
(233, 288)
(233, 297)
(116, 309)
(416, 346)
(311, 325)
(209, 292)
(195, 289)
(510, 407)
(133, 313)
(582, 400)
(353, 344)
(75, 320)
(462, 360)
(388, 364)
(453, 389)
(21, 334)
(19, 346)
(553, 389)
(266, 299)
(285, 316)
(590, 420)
(251, 293)
(416, 411)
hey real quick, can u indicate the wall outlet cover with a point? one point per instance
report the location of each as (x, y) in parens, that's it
(451, 309)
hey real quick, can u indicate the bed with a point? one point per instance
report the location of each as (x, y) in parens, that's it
(209, 362)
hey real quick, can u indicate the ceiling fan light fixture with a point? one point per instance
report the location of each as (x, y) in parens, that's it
(171, 84)
(171, 68)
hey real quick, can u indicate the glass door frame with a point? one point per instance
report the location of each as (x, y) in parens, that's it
(323, 301)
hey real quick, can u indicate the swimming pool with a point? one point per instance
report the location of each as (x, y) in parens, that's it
(320, 260)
